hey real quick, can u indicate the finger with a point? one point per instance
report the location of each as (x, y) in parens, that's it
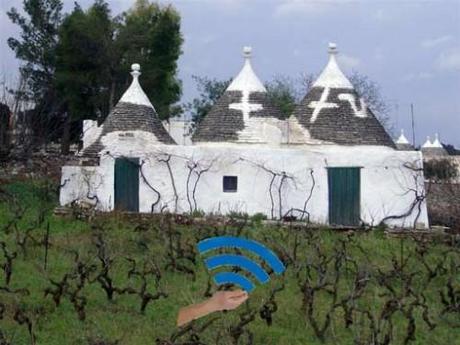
(236, 304)
(240, 299)
(236, 298)
(243, 294)
(237, 293)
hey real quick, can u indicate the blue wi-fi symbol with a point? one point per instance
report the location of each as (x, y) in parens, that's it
(239, 260)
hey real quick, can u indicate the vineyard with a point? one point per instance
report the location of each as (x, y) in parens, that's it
(95, 279)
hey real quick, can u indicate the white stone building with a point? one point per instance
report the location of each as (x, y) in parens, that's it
(433, 149)
(330, 162)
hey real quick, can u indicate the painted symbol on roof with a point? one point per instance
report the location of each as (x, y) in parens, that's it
(239, 261)
(245, 107)
(321, 104)
(361, 112)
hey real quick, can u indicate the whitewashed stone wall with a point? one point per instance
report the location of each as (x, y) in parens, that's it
(91, 131)
(179, 130)
(386, 184)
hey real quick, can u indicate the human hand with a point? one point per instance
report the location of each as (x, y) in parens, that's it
(227, 300)
(221, 300)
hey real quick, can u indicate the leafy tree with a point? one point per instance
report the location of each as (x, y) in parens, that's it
(210, 91)
(4, 122)
(440, 169)
(149, 34)
(77, 66)
(36, 47)
(285, 92)
(83, 71)
(39, 34)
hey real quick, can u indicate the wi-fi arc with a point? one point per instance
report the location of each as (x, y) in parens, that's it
(239, 261)
(234, 278)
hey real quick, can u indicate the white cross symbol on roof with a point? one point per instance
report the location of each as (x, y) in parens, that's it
(245, 107)
(321, 104)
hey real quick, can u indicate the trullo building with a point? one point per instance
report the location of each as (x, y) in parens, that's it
(330, 162)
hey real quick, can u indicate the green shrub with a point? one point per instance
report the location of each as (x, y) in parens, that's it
(440, 169)
(258, 217)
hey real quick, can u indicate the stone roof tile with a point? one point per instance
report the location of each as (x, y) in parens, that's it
(134, 112)
(226, 119)
(333, 111)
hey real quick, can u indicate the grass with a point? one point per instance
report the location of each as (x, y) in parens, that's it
(147, 240)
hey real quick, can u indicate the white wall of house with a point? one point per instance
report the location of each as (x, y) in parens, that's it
(387, 182)
(179, 130)
(91, 131)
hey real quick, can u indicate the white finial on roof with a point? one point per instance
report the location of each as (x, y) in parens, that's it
(247, 52)
(247, 80)
(427, 143)
(402, 138)
(135, 94)
(332, 76)
(332, 48)
(436, 142)
(136, 70)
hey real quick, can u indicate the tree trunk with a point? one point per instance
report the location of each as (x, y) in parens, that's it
(65, 142)
(112, 96)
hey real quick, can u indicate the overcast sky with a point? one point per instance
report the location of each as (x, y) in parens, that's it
(410, 48)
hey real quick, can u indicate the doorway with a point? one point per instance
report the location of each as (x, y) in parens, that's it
(344, 196)
(127, 184)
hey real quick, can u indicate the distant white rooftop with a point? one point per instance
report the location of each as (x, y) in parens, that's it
(433, 144)
(427, 143)
(135, 94)
(436, 142)
(247, 80)
(332, 76)
(402, 138)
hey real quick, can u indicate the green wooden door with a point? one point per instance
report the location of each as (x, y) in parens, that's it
(127, 184)
(344, 196)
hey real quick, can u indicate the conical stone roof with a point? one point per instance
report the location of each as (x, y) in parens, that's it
(403, 144)
(133, 112)
(435, 148)
(239, 112)
(333, 111)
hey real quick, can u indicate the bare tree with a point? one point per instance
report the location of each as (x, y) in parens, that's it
(370, 91)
